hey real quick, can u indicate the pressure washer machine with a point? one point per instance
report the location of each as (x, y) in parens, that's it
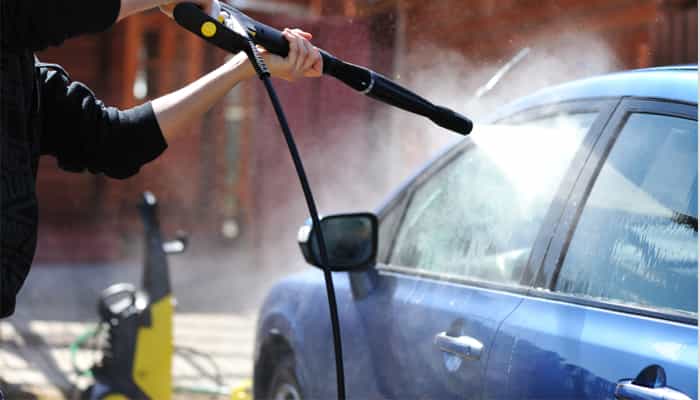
(137, 357)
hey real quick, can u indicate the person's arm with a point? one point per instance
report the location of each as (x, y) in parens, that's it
(176, 109)
(37, 24)
(83, 133)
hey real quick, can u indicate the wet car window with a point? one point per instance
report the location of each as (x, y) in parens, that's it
(479, 216)
(387, 227)
(636, 240)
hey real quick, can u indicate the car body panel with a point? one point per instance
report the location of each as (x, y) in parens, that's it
(296, 310)
(553, 350)
(405, 314)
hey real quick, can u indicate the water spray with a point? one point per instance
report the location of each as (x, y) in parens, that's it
(234, 32)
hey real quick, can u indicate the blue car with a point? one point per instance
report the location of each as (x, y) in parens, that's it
(550, 255)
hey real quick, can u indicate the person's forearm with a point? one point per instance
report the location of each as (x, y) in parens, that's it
(175, 110)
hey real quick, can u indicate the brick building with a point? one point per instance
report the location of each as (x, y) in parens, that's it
(232, 166)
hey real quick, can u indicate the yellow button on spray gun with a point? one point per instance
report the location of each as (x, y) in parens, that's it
(208, 29)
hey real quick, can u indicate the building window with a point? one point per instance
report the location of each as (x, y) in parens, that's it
(676, 33)
(146, 82)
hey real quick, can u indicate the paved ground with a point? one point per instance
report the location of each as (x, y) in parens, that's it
(35, 356)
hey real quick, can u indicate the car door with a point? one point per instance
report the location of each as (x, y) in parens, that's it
(456, 254)
(616, 306)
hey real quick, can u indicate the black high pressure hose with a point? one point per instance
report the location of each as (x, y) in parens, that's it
(191, 17)
(328, 277)
(264, 75)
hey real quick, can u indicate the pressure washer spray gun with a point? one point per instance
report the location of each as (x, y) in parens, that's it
(233, 31)
(229, 29)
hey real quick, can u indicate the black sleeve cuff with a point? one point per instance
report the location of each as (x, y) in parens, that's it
(150, 142)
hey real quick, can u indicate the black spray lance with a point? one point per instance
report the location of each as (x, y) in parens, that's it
(234, 32)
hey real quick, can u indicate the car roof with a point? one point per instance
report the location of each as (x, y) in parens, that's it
(676, 83)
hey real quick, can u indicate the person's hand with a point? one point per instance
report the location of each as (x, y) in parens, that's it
(168, 6)
(303, 60)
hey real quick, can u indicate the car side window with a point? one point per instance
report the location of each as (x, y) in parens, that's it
(478, 217)
(636, 239)
(387, 227)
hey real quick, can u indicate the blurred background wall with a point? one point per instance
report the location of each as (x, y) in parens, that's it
(229, 180)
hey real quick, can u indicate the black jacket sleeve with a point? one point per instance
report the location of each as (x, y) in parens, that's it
(82, 133)
(37, 24)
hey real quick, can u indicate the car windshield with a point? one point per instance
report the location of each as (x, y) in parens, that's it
(478, 217)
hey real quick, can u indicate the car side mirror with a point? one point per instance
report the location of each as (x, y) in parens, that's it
(351, 241)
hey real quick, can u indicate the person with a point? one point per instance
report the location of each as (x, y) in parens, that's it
(43, 112)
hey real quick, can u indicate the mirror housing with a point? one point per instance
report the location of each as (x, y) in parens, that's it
(351, 241)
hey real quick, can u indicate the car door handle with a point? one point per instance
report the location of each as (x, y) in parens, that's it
(626, 390)
(462, 346)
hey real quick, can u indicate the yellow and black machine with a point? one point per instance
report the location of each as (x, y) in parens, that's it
(138, 350)
(137, 358)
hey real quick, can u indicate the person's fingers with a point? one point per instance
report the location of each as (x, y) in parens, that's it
(310, 63)
(293, 48)
(303, 53)
(293, 55)
(306, 53)
(304, 34)
(313, 57)
(303, 60)
(310, 57)
(316, 68)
